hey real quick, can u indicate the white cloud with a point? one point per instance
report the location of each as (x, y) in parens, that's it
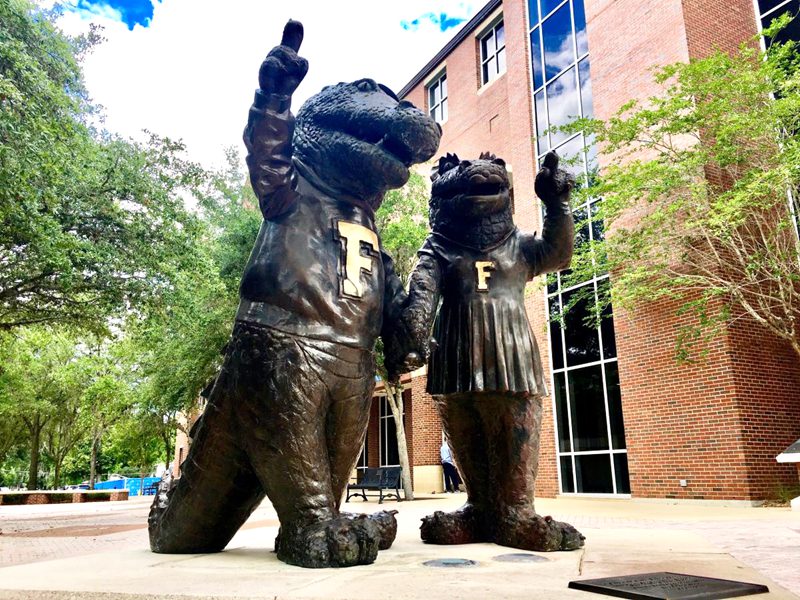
(192, 73)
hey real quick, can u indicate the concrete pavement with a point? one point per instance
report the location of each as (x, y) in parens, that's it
(99, 552)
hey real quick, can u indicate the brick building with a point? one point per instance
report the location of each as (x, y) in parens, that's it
(623, 418)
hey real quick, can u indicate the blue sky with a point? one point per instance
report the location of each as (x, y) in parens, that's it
(187, 68)
(129, 12)
(442, 20)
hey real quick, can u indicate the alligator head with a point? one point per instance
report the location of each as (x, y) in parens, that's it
(358, 140)
(471, 200)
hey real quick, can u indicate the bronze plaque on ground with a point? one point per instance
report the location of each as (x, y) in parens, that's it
(668, 586)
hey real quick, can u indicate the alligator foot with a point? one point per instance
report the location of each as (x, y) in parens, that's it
(534, 532)
(340, 542)
(386, 522)
(458, 527)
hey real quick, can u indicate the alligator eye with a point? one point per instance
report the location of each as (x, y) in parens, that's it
(366, 85)
(499, 161)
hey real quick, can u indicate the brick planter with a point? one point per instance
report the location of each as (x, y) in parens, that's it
(61, 497)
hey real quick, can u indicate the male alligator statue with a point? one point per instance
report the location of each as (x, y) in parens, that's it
(287, 415)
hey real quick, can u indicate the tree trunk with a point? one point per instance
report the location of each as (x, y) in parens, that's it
(35, 427)
(93, 463)
(57, 474)
(167, 445)
(394, 395)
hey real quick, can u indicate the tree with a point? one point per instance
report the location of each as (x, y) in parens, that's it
(695, 195)
(35, 385)
(402, 221)
(175, 346)
(90, 224)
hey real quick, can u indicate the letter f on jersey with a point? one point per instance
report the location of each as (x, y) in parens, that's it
(352, 236)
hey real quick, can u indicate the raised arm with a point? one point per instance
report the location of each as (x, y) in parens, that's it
(270, 125)
(552, 251)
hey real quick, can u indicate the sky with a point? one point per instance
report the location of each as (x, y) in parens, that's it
(188, 68)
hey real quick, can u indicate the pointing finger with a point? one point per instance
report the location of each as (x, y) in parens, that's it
(292, 35)
(550, 161)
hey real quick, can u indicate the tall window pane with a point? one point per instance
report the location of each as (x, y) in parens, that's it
(587, 409)
(593, 473)
(562, 103)
(579, 14)
(559, 49)
(536, 60)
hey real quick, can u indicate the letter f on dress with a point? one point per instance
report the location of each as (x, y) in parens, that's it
(484, 270)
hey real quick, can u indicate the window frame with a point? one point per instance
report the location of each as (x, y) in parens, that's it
(491, 32)
(443, 105)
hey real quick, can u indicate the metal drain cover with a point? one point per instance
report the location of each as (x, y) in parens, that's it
(450, 562)
(521, 557)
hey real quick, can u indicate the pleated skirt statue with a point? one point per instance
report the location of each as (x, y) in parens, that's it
(484, 370)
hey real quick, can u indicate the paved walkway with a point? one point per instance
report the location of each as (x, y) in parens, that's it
(99, 551)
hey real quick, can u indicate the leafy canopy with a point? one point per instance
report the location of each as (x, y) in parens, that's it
(90, 224)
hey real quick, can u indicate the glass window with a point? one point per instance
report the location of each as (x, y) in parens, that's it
(588, 414)
(593, 473)
(549, 5)
(586, 88)
(768, 5)
(615, 407)
(437, 99)
(587, 409)
(571, 154)
(582, 342)
(598, 228)
(579, 14)
(493, 53)
(581, 226)
(562, 104)
(559, 51)
(536, 59)
(556, 348)
(533, 12)
(622, 477)
(390, 455)
(552, 283)
(607, 329)
(542, 139)
(792, 31)
(562, 418)
(567, 481)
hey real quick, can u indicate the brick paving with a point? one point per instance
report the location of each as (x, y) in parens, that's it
(48, 533)
(767, 540)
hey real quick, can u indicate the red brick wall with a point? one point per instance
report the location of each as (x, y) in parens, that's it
(718, 423)
(426, 425)
(767, 376)
(712, 25)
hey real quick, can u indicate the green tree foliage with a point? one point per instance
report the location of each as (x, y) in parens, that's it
(37, 387)
(177, 344)
(402, 220)
(89, 224)
(699, 194)
(403, 224)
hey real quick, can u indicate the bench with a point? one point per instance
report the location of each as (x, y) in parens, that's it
(378, 479)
